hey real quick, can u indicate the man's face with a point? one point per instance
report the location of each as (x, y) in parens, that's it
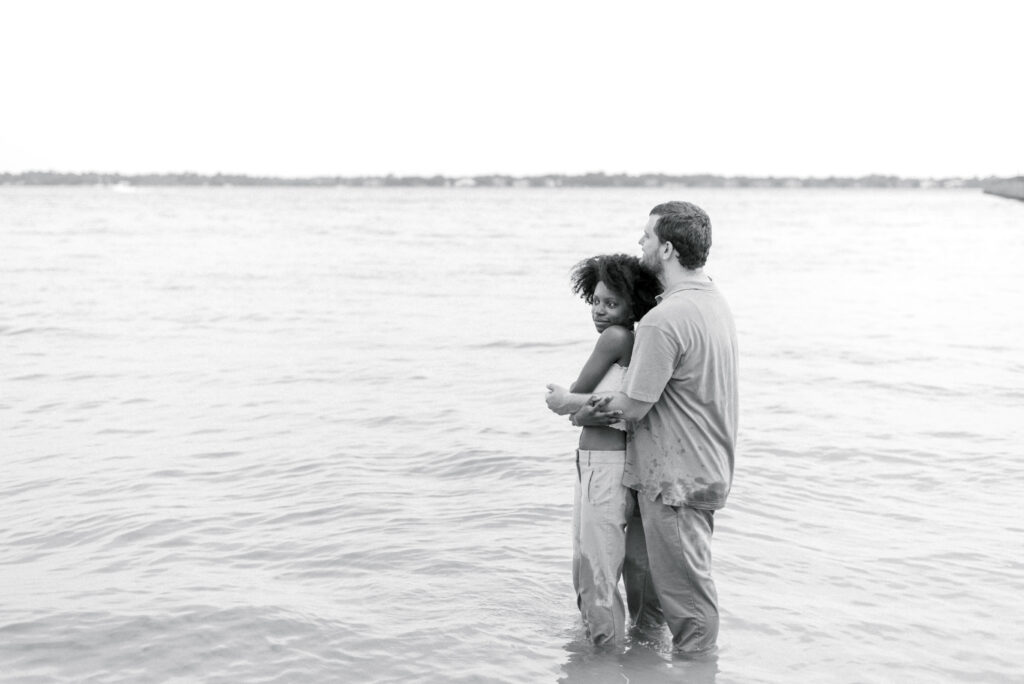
(650, 245)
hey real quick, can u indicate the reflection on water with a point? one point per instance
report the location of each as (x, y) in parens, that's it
(644, 658)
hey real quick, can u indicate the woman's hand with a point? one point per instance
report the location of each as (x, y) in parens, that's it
(557, 398)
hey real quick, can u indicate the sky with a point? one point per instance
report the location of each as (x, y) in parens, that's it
(301, 88)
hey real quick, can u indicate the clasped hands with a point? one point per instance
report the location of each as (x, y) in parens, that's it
(582, 409)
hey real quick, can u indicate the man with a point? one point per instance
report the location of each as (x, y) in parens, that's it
(680, 400)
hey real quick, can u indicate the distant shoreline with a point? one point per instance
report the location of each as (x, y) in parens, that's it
(600, 180)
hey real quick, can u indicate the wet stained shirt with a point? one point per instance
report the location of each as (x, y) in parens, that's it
(685, 362)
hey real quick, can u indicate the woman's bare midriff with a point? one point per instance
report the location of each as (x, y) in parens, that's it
(600, 438)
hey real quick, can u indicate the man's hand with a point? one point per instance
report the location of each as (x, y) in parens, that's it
(594, 412)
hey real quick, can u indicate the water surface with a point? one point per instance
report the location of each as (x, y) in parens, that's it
(299, 434)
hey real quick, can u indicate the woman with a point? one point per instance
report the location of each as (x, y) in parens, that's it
(620, 290)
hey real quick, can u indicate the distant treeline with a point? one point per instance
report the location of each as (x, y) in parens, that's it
(587, 180)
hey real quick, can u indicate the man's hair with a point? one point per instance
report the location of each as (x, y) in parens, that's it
(623, 274)
(688, 228)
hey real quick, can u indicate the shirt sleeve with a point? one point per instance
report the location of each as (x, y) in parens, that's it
(655, 355)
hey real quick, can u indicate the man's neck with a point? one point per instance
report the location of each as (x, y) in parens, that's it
(671, 277)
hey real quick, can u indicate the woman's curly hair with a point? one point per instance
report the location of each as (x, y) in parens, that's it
(623, 274)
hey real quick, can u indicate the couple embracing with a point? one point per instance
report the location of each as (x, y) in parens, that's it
(657, 400)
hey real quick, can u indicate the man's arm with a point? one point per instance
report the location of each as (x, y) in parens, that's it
(609, 407)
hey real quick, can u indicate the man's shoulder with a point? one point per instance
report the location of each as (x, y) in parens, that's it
(668, 310)
(691, 299)
(655, 318)
(689, 313)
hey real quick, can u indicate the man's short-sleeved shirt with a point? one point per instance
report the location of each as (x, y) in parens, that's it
(685, 362)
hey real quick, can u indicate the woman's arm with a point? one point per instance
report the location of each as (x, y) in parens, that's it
(614, 345)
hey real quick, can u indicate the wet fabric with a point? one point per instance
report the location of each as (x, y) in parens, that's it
(679, 552)
(684, 362)
(601, 510)
(641, 595)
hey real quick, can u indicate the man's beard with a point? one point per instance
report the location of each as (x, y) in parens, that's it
(652, 262)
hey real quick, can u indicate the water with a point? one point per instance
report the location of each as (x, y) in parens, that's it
(275, 435)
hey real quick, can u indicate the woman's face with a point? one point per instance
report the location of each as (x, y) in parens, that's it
(610, 308)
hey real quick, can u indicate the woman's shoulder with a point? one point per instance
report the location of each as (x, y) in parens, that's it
(617, 336)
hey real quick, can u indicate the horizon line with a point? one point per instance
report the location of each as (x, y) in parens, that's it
(498, 174)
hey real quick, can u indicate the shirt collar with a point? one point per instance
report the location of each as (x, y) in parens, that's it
(706, 284)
